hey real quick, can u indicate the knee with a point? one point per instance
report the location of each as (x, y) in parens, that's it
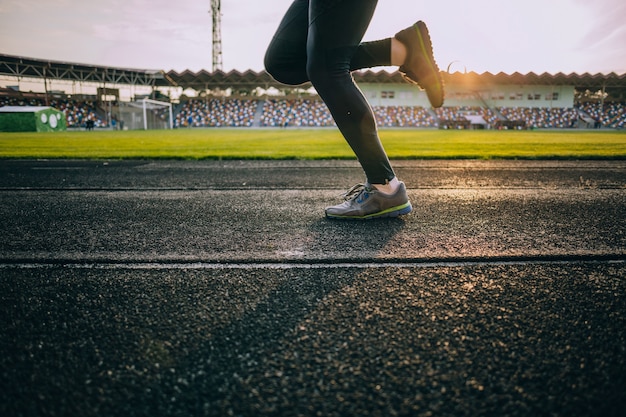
(319, 74)
(282, 71)
(271, 66)
(314, 72)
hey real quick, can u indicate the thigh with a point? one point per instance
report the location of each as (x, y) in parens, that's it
(336, 28)
(286, 55)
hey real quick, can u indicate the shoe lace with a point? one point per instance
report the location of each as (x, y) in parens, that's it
(356, 191)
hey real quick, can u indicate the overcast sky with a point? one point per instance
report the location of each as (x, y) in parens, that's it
(478, 35)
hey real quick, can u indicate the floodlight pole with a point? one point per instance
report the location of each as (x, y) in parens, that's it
(216, 12)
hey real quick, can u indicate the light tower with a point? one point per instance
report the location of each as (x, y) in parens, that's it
(216, 12)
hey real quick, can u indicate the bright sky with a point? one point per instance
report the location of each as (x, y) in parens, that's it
(478, 35)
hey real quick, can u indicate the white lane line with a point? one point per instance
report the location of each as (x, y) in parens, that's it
(302, 265)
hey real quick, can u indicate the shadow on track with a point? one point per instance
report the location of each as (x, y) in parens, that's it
(258, 333)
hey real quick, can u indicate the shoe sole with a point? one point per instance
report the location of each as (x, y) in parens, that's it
(388, 213)
(427, 50)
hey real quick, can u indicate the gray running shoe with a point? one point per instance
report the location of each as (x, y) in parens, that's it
(364, 202)
(420, 67)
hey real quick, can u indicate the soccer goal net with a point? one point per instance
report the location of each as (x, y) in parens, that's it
(145, 114)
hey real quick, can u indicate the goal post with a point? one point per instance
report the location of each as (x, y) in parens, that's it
(158, 107)
(145, 114)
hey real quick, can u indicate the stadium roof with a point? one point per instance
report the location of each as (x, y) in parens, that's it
(20, 67)
(14, 66)
(250, 79)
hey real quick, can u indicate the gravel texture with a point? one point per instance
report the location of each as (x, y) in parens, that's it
(216, 288)
(518, 340)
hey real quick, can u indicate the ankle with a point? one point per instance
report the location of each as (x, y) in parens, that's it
(390, 187)
(398, 52)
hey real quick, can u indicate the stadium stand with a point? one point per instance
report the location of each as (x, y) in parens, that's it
(12, 101)
(216, 113)
(314, 113)
(404, 116)
(76, 112)
(465, 117)
(491, 100)
(311, 112)
(542, 118)
(296, 112)
(611, 115)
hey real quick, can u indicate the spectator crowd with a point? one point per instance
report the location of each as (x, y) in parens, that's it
(310, 112)
(611, 115)
(307, 112)
(216, 113)
(77, 113)
(541, 118)
(296, 112)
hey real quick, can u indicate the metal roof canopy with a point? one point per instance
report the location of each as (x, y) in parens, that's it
(36, 68)
(202, 80)
(250, 79)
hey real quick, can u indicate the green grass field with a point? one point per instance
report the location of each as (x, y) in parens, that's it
(312, 144)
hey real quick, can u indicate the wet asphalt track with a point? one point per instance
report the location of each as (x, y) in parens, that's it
(141, 288)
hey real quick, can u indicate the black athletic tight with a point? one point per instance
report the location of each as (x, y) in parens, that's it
(320, 41)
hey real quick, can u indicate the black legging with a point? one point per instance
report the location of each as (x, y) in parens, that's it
(320, 41)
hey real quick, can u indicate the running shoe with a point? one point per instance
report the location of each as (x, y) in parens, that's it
(363, 202)
(420, 67)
